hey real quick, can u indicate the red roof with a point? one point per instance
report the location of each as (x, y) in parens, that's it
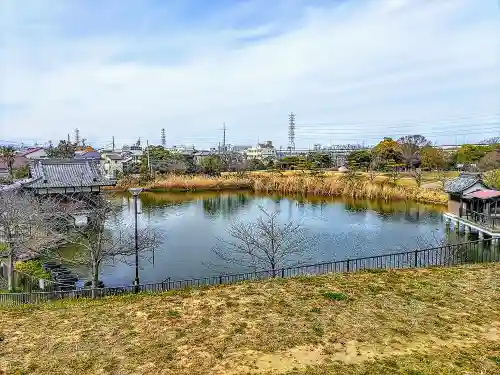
(483, 194)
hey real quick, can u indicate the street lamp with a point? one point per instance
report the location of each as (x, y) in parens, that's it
(135, 192)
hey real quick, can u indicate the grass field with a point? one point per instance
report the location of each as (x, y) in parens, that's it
(416, 322)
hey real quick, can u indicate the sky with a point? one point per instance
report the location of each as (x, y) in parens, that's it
(352, 71)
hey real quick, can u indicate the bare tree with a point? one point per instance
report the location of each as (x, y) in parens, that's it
(265, 243)
(410, 148)
(106, 238)
(28, 226)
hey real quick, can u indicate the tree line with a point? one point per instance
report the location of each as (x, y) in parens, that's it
(415, 151)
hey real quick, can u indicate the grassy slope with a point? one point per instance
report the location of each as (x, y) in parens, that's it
(435, 321)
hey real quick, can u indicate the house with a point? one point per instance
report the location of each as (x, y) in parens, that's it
(112, 164)
(135, 152)
(34, 153)
(66, 176)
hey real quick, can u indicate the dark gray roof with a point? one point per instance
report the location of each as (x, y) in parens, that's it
(461, 183)
(47, 173)
(113, 156)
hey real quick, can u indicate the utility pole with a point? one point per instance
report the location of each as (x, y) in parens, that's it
(113, 144)
(224, 138)
(163, 138)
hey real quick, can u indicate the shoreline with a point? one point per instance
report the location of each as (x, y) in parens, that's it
(328, 186)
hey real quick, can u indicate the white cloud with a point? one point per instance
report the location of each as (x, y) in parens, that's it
(374, 64)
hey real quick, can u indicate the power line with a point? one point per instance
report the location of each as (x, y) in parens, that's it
(410, 122)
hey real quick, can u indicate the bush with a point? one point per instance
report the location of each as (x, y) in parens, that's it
(492, 179)
(33, 268)
(335, 296)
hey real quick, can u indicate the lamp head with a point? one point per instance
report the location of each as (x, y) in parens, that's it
(135, 191)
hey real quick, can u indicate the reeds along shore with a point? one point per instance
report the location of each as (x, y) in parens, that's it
(313, 185)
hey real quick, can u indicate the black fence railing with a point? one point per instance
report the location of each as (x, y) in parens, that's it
(448, 255)
(490, 221)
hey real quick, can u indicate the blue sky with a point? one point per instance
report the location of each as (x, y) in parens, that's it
(352, 70)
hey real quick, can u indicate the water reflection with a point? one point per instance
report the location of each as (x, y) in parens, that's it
(191, 223)
(225, 205)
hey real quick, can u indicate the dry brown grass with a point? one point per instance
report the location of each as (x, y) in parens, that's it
(428, 321)
(304, 183)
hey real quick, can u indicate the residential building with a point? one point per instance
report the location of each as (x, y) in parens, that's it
(112, 164)
(34, 153)
(263, 151)
(135, 152)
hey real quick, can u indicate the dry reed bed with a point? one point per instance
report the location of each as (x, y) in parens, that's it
(307, 184)
(424, 321)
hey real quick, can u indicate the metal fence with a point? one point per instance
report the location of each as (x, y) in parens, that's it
(448, 255)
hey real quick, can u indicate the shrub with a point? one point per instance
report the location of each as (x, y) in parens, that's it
(335, 296)
(33, 268)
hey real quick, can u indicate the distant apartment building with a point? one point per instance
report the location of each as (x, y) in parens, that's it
(263, 151)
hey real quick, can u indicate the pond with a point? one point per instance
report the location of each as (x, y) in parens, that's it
(192, 223)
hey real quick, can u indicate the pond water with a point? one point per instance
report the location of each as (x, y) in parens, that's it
(192, 223)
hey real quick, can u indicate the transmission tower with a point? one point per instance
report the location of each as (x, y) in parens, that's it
(291, 131)
(163, 137)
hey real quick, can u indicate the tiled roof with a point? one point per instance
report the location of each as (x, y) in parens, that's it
(87, 155)
(66, 173)
(113, 156)
(461, 183)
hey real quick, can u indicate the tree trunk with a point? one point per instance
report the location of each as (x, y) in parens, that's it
(95, 278)
(10, 276)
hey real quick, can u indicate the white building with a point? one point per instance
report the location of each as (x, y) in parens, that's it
(263, 151)
(112, 164)
(134, 152)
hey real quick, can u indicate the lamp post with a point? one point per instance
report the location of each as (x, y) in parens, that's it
(135, 192)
